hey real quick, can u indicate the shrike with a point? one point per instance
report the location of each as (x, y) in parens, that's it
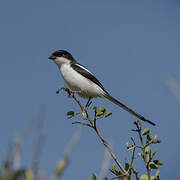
(83, 82)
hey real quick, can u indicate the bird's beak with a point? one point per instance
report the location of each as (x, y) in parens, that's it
(52, 57)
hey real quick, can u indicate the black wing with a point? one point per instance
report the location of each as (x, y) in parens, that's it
(82, 70)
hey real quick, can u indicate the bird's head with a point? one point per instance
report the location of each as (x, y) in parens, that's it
(61, 57)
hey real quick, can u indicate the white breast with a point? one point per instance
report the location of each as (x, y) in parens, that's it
(77, 82)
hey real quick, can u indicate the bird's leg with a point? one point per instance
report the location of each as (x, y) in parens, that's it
(87, 106)
(88, 102)
(71, 93)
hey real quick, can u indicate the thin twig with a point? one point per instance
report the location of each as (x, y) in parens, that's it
(143, 149)
(133, 155)
(82, 123)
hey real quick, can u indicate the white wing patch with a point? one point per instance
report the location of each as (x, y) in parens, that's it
(83, 68)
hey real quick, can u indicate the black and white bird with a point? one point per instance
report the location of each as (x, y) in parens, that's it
(83, 82)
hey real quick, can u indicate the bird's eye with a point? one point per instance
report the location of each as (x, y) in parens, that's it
(64, 55)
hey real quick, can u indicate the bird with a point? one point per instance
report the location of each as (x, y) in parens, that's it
(81, 81)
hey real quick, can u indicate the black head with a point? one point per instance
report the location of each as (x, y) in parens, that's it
(61, 53)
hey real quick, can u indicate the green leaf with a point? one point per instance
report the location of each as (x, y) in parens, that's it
(155, 137)
(149, 136)
(158, 162)
(108, 114)
(153, 165)
(147, 150)
(94, 108)
(145, 131)
(100, 111)
(156, 141)
(70, 114)
(153, 153)
(144, 177)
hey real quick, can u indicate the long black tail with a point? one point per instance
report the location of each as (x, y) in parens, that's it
(128, 109)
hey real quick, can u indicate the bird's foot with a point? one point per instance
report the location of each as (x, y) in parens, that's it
(71, 93)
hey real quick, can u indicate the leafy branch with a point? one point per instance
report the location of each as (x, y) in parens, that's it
(145, 152)
(98, 114)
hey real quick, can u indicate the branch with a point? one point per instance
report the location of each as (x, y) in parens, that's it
(82, 123)
(143, 148)
(93, 125)
(133, 155)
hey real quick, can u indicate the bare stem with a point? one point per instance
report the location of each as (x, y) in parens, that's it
(133, 155)
(82, 123)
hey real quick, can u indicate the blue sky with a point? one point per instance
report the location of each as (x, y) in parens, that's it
(131, 46)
